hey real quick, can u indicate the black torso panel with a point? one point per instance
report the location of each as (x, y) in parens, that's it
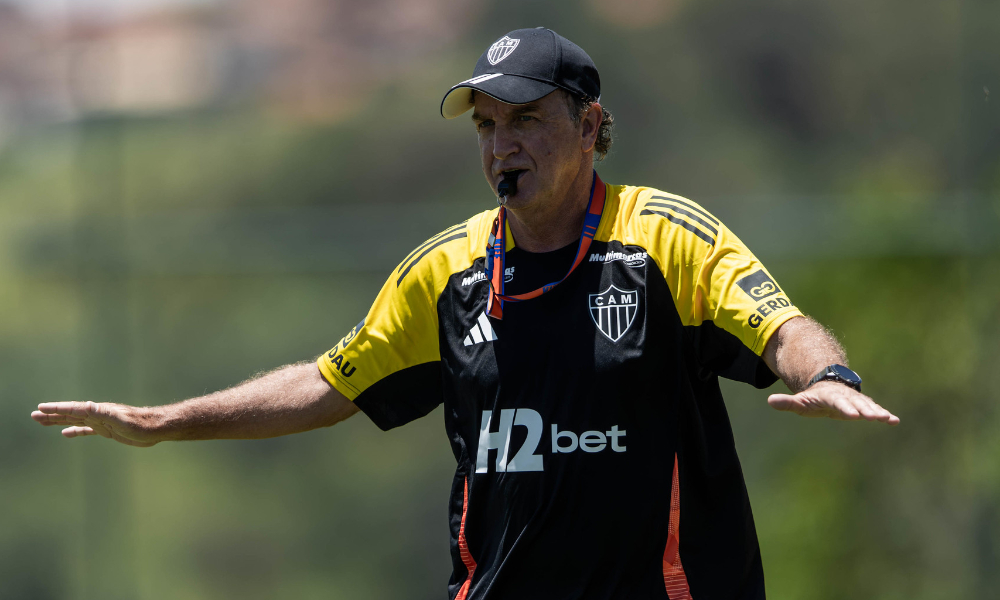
(565, 418)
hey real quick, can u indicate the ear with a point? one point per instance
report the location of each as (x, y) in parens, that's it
(590, 124)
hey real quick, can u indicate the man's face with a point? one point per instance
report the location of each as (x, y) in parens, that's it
(539, 140)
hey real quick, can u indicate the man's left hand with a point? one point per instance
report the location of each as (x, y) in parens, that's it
(833, 400)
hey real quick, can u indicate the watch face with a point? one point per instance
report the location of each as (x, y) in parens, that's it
(846, 374)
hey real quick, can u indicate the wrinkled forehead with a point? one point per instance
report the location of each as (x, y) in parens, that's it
(485, 105)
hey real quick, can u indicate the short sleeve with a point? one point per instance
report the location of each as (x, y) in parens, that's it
(389, 363)
(712, 275)
(736, 293)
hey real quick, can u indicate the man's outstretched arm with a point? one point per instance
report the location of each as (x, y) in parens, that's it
(291, 399)
(799, 350)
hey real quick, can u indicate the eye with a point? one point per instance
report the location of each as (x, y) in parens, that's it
(525, 118)
(485, 123)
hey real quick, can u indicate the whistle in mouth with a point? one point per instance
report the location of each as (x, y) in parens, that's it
(507, 187)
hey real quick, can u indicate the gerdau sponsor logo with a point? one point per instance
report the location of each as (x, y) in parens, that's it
(337, 359)
(527, 457)
(766, 309)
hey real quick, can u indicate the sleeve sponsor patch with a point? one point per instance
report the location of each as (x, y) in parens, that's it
(765, 309)
(336, 359)
(758, 285)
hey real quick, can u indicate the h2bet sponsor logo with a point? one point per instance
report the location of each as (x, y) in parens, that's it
(335, 357)
(526, 458)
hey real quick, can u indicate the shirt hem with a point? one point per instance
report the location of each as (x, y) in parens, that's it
(348, 390)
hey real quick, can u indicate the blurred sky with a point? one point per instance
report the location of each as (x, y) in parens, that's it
(100, 8)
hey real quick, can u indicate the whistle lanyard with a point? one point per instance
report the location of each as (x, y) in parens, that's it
(498, 250)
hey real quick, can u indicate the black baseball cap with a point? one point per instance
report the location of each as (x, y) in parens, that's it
(523, 66)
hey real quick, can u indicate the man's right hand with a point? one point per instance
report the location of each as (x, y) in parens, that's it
(291, 399)
(125, 424)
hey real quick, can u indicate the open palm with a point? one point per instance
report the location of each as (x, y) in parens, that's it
(834, 401)
(113, 421)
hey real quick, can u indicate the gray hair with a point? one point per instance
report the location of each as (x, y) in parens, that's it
(578, 107)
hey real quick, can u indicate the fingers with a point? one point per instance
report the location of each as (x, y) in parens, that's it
(802, 404)
(55, 419)
(874, 412)
(75, 409)
(63, 413)
(869, 409)
(71, 409)
(845, 408)
(76, 431)
(90, 418)
(83, 418)
(834, 401)
(784, 402)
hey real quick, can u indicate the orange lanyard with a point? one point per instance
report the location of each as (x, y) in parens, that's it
(496, 256)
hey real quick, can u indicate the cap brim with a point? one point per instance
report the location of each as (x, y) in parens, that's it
(512, 89)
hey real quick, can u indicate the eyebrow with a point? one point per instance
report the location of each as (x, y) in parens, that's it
(520, 110)
(527, 108)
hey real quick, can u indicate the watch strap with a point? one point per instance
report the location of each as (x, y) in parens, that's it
(838, 373)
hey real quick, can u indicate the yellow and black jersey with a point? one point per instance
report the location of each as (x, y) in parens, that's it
(595, 456)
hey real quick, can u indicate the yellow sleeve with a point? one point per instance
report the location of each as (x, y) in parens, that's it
(399, 332)
(389, 363)
(711, 273)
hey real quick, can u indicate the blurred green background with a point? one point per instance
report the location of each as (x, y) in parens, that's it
(190, 193)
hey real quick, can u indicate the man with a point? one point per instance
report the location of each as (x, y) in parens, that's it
(575, 335)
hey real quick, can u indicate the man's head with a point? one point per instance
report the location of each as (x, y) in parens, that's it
(547, 143)
(535, 98)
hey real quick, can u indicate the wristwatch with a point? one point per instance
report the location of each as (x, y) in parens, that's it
(838, 373)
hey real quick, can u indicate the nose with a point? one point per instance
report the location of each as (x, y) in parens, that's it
(505, 142)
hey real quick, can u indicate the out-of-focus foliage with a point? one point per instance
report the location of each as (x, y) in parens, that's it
(145, 259)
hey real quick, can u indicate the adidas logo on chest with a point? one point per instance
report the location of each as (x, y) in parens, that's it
(481, 332)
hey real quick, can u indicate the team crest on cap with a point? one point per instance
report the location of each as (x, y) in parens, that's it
(613, 311)
(501, 49)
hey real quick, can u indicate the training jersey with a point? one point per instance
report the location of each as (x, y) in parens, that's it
(595, 459)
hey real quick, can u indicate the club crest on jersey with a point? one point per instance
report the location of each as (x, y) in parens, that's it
(613, 311)
(501, 49)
